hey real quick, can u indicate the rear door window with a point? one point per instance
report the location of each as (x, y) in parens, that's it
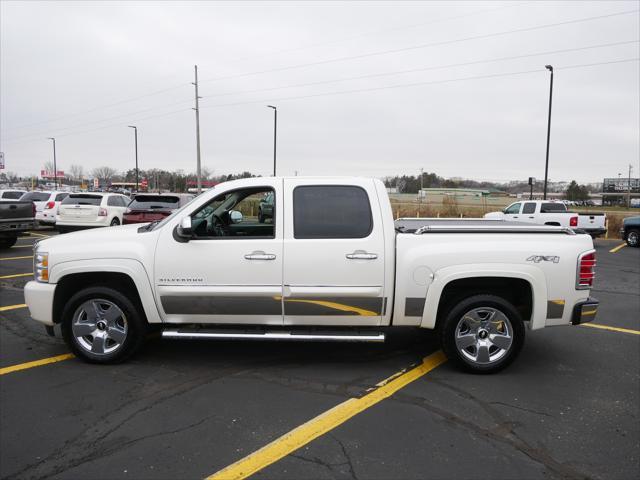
(61, 196)
(553, 208)
(82, 200)
(331, 211)
(529, 207)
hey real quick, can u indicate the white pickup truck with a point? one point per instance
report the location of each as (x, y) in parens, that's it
(330, 264)
(549, 212)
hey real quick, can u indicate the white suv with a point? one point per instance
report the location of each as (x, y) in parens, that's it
(46, 205)
(85, 210)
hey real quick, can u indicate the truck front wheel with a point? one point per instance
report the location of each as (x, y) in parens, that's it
(482, 334)
(633, 238)
(101, 325)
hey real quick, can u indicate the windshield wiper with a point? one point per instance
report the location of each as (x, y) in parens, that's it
(152, 225)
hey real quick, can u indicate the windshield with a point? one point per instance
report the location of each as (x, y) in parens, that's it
(35, 197)
(175, 212)
(82, 200)
(148, 202)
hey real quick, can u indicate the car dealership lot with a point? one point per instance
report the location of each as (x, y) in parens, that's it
(567, 408)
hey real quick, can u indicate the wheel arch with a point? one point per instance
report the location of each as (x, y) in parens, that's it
(524, 287)
(126, 276)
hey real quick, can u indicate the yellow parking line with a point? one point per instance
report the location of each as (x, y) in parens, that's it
(16, 275)
(15, 258)
(39, 234)
(615, 249)
(613, 329)
(35, 363)
(22, 246)
(325, 422)
(12, 307)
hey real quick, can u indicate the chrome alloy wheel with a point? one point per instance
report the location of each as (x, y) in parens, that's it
(484, 335)
(99, 326)
(632, 239)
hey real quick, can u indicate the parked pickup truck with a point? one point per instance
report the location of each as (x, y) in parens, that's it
(545, 212)
(16, 217)
(331, 265)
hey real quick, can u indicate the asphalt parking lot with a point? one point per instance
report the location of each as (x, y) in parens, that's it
(567, 408)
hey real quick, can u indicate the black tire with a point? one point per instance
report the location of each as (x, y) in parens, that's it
(115, 222)
(633, 238)
(8, 242)
(453, 330)
(135, 329)
(62, 230)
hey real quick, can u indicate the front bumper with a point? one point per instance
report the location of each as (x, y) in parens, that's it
(585, 311)
(39, 298)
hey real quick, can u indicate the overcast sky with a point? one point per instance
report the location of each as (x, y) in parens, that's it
(83, 71)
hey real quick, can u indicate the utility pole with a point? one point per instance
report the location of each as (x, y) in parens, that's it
(197, 109)
(421, 184)
(55, 167)
(136, 132)
(629, 188)
(275, 135)
(546, 165)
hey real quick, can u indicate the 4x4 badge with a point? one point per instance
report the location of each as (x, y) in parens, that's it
(543, 258)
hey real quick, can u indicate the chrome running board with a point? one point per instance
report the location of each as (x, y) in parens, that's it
(274, 335)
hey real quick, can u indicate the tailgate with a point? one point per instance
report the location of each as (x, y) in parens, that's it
(78, 211)
(591, 220)
(16, 210)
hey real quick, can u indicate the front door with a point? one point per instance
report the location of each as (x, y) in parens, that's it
(230, 271)
(334, 254)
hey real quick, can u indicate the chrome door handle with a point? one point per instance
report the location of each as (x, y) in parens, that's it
(260, 255)
(361, 255)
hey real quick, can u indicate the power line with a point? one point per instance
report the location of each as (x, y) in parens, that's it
(364, 34)
(126, 115)
(416, 84)
(421, 46)
(421, 69)
(77, 114)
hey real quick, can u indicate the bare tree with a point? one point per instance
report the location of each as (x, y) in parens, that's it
(48, 167)
(205, 173)
(77, 172)
(104, 174)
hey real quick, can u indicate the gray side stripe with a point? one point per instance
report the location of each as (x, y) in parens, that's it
(221, 305)
(413, 307)
(253, 305)
(555, 308)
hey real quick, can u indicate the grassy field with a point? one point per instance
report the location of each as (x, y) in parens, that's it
(615, 215)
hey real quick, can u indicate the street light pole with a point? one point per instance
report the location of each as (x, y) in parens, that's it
(55, 166)
(136, 137)
(275, 135)
(197, 109)
(546, 165)
(629, 188)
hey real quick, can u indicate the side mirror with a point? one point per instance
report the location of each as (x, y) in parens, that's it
(183, 231)
(235, 216)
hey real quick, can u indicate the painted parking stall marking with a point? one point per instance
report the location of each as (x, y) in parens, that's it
(13, 307)
(612, 329)
(15, 258)
(618, 248)
(35, 363)
(16, 275)
(325, 422)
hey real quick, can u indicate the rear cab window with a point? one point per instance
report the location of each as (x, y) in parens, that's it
(331, 211)
(75, 199)
(12, 195)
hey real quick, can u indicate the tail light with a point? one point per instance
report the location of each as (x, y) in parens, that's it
(586, 273)
(50, 205)
(573, 222)
(102, 212)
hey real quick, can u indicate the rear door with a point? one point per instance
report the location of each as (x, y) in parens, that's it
(333, 254)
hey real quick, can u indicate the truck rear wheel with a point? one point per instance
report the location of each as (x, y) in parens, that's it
(633, 238)
(8, 242)
(482, 334)
(101, 325)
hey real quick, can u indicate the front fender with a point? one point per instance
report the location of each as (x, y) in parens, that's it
(531, 274)
(132, 268)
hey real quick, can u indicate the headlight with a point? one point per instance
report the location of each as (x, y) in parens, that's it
(41, 267)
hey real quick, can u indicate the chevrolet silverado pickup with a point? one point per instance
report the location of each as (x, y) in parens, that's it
(16, 218)
(545, 212)
(331, 265)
